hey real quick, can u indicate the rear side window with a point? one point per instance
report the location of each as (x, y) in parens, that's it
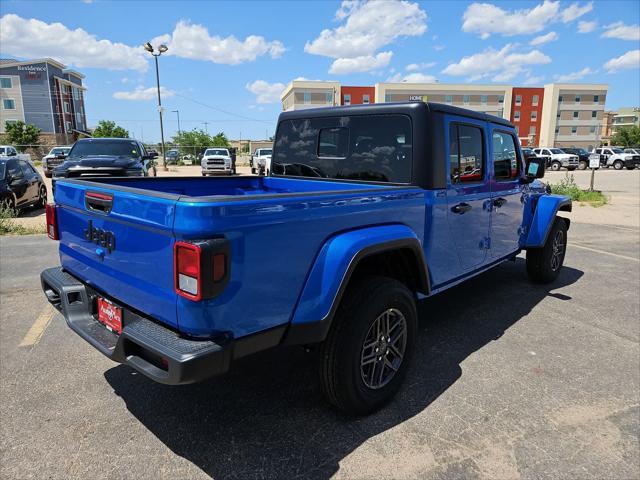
(14, 169)
(370, 148)
(26, 168)
(505, 158)
(466, 154)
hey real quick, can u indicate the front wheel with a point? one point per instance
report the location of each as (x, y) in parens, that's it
(544, 264)
(555, 166)
(618, 165)
(582, 166)
(368, 350)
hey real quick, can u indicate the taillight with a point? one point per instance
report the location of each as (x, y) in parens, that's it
(201, 268)
(52, 221)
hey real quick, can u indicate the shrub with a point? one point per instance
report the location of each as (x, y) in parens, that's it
(568, 187)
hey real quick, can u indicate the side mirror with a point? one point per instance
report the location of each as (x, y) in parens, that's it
(535, 168)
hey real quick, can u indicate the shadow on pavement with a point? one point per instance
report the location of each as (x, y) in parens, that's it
(267, 417)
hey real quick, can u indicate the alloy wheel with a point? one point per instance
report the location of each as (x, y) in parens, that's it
(557, 250)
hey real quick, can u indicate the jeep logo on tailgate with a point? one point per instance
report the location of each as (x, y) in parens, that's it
(101, 237)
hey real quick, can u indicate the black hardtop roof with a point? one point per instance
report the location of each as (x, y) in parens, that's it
(106, 139)
(407, 108)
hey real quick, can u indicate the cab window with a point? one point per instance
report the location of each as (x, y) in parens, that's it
(505, 157)
(466, 157)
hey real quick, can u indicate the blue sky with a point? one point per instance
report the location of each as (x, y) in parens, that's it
(228, 61)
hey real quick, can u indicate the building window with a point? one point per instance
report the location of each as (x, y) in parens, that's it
(68, 126)
(596, 99)
(465, 99)
(501, 99)
(575, 114)
(561, 98)
(558, 116)
(592, 129)
(347, 99)
(365, 99)
(306, 98)
(557, 130)
(76, 94)
(387, 97)
(532, 130)
(5, 82)
(329, 98)
(594, 114)
(8, 104)
(483, 99)
(448, 98)
(67, 107)
(574, 130)
(534, 115)
(518, 100)
(516, 115)
(518, 130)
(534, 100)
(577, 98)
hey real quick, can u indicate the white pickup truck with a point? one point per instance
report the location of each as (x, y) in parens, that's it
(7, 151)
(261, 161)
(559, 159)
(617, 158)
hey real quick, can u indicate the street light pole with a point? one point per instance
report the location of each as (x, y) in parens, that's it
(177, 112)
(161, 49)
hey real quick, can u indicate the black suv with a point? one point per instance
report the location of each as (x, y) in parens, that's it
(106, 157)
(583, 156)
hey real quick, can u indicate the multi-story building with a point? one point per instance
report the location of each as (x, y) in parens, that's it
(300, 94)
(605, 127)
(43, 93)
(572, 114)
(526, 114)
(625, 117)
(563, 115)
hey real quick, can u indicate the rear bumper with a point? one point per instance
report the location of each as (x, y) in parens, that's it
(152, 349)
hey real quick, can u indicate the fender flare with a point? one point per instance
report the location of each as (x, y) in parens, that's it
(545, 213)
(332, 270)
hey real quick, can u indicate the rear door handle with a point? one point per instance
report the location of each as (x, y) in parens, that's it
(461, 208)
(498, 202)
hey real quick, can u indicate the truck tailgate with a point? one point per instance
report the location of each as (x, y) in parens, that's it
(134, 263)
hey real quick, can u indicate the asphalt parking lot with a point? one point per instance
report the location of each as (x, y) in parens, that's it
(511, 380)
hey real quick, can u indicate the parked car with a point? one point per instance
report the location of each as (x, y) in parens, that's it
(634, 151)
(216, 160)
(261, 161)
(54, 158)
(529, 153)
(21, 185)
(615, 157)
(583, 156)
(559, 159)
(105, 157)
(172, 157)
(7, 151)
(180, 277)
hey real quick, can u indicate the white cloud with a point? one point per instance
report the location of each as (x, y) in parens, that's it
(574, 11)
(142, 94)
(412, 67)
(367, 27)
(33, 38)
(623, 32)
(587, 27)
(542, 39)
(437, 48)
(412, 78)
(486, 19)
(629, 60)
(364, 63)
(504, 64)
(265, 92)
(574, 76)
(193, 41)
(533, 80)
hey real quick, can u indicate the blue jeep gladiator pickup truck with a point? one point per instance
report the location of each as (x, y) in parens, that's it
(366, 210)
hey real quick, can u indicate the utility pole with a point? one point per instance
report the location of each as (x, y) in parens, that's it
(206, 129)
(177, 112)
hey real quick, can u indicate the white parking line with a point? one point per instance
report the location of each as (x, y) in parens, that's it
(34, 334)
(604, 252)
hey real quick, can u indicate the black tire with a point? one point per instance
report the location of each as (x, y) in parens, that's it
(631, 168)
(582, 165)
(204, 174)
(42, 197)
(555, 166)
(618, 165)
(544, 264)
(253, 171)
(342, 365)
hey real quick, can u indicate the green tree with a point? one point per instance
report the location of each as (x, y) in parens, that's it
(195, 142)
(107, 128)
(220, 140)
(21, 135)
(626, 137)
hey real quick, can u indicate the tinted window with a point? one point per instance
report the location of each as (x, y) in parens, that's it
(333, 142)
(466, 156)
(505, 158)
(216, 151)
(13, 169)
(127, 148)
(374, 148)
(26, 168)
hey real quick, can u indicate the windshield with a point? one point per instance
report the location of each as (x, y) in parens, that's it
(556, 151)
(216, 151)
(264, 151)
(172, 152)
(60, 151)
(117, 148)
(617, 150)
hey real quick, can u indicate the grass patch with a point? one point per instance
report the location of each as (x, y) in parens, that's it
(9, 226)
(568, 187)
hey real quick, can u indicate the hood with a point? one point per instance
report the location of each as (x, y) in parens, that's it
(100, 161)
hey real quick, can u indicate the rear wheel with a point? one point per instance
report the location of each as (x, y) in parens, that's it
(8, 204)
(555, 166)
(631, 168)
(544, 264)
(368, 350)
(42, 197)
(583, 165)
(618, 165)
